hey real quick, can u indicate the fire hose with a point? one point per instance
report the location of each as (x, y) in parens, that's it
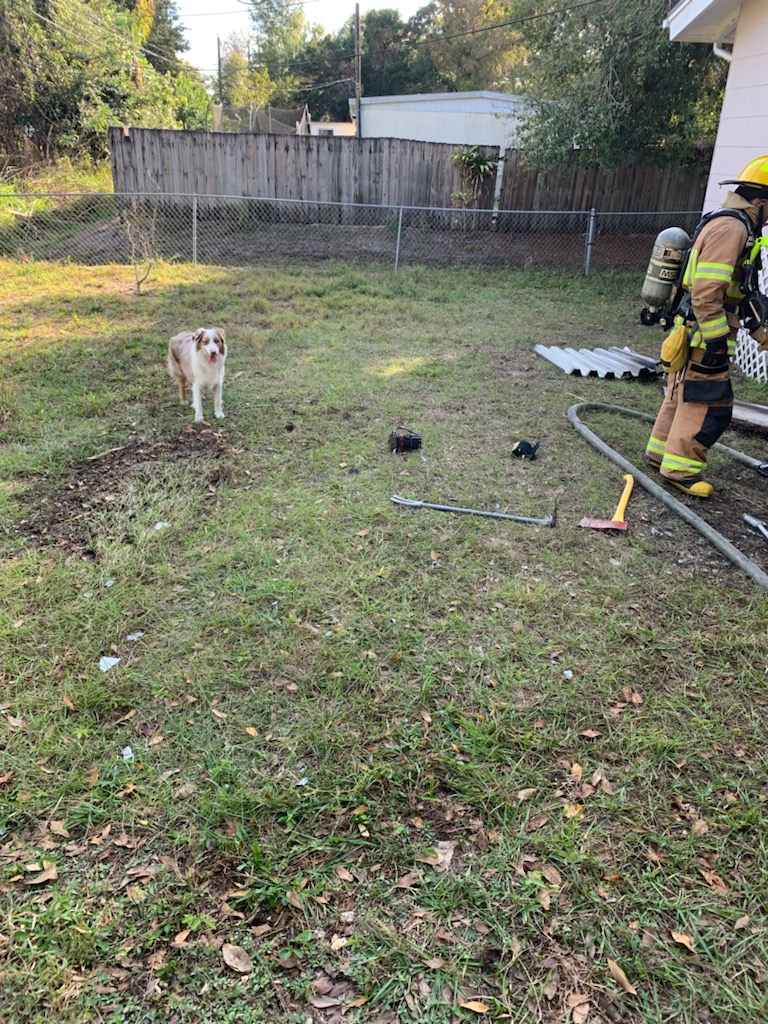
(724, 546)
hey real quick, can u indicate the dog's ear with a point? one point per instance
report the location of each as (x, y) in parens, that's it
(199, 336)
(222, 340)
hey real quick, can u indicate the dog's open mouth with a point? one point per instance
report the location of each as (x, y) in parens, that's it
(213, 356)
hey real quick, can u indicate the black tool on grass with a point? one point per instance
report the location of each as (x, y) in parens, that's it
(525, 450)
(404, 440)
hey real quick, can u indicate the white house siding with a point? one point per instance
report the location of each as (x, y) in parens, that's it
(743, 131)
(482, 118)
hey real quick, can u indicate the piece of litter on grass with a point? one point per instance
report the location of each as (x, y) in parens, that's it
(135, 636)
(105, 663)
(109, 583)
(88, 593)
(303, 782)
(127, 754)
(568, 674)
(161, 526)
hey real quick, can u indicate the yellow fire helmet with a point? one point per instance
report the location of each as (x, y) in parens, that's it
(755, 174)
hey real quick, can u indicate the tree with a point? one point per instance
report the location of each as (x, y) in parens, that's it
(606, 80)
(242, 84)
(469, 45)
(164, 39)
(71, 68)
(281, 35)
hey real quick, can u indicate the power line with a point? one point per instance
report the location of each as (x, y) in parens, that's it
(436, 40)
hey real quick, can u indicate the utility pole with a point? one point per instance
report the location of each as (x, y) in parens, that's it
(218, 47)
(358, 75)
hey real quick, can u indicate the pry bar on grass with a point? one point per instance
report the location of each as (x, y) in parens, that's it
(618, 522)
(409, 503)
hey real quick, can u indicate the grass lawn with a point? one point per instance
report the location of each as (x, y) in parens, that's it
(358, 762)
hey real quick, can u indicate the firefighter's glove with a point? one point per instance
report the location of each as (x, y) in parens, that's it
(716, 353)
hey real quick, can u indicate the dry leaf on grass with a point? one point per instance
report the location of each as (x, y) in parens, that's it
(407, 881)
(591, 734)
(714, 880)
(324, 1002)
(683, 940)
(47, 874)
(619, 976)
(525, 794)
(741, 923)
(552, 875)
(699, 828)
(579, 1006)
(474, 1005)
(435, 963)
(344, 875)
(534, 824)
(236, 958)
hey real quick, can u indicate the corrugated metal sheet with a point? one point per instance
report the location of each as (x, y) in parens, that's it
(610, 363)
(618, 362)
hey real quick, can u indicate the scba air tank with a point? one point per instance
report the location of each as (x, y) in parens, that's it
(667, 257)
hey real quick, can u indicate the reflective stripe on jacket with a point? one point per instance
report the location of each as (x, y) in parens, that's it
(714, 273)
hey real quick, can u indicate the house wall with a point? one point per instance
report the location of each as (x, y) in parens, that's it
(743, 131)
(331, 128)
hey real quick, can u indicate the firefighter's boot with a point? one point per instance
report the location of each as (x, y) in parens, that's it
(694, 486)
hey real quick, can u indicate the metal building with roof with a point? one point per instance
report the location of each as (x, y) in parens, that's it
(459, 118)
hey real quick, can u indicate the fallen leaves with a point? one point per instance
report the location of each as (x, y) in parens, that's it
(475, 1005)
(578, 1003)
(44, 872)
(714, 880)
(440, 857)
(620, 977)
(236, 958)
(684, 940)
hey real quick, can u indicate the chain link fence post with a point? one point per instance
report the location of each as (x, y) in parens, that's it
(591, 226)
(194, 230)
(399, 234)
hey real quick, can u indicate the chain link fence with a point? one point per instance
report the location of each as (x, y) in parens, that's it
(98, 228)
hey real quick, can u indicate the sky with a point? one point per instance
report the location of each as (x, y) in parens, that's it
(203, 23)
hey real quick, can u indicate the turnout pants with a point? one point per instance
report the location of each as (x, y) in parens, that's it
(696, 410)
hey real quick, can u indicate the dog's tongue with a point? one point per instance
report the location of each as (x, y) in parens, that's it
(212, 356)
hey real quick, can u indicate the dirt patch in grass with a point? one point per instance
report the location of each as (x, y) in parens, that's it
(60, 514)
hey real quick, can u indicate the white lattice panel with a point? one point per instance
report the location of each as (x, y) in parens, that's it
(749, 359)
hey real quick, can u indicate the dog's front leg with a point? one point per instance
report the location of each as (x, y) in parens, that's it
(197, 402)
(218, 412)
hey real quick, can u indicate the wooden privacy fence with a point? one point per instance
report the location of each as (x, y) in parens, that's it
(379, 172)
(320, 169)
(640, 188)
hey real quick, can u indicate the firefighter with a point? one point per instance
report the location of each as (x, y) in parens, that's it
(698, 403)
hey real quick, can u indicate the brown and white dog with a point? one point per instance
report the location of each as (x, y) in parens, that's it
(197, 358)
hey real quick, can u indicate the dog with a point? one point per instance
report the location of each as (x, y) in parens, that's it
(198, 358)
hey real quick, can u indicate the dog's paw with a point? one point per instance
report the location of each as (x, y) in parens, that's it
(219, 415)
